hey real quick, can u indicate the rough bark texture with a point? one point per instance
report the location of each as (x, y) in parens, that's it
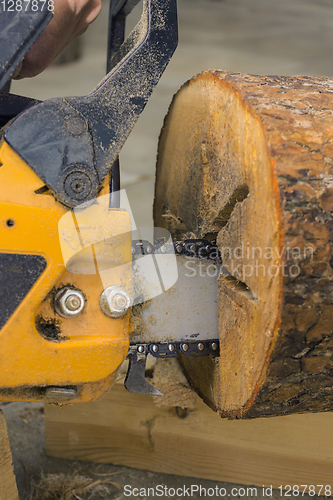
(248, 160)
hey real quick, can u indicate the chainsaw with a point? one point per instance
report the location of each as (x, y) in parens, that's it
(81, 288)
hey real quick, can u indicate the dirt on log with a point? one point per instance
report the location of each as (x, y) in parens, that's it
(248, 160)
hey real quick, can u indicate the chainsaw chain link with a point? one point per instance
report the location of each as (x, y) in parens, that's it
(188, 348)
(200, 249)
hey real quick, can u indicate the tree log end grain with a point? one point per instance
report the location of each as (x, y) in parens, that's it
(247, 160)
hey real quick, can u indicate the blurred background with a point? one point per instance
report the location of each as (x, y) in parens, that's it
(283, 37)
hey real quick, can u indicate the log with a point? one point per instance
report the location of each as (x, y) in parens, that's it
(8, 488)
(247, 160)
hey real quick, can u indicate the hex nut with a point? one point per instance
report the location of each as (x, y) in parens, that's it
(115, 301)
(69, 302)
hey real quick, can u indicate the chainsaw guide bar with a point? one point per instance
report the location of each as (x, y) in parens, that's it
(188, 339)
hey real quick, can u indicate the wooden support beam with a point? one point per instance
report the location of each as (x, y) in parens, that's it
(129, 429)
(8, 488)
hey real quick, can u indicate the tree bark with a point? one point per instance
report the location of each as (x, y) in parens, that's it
(247, 160)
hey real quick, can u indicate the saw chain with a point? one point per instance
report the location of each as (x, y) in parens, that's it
(137, 355)
(200, 249)
(172, 349)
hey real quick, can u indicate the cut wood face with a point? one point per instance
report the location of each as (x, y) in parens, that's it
(248, 160)
(217, 181)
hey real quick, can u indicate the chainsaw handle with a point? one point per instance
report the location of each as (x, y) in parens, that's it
(75, 141)
(119, 10)
(18, 31)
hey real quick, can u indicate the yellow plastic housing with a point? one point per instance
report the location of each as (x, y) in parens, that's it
(89, 347)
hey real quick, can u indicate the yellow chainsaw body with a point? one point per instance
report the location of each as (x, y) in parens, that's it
(39, 349)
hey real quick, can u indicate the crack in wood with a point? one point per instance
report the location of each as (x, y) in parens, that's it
(238, 196)
(239, 286)
(150, 425)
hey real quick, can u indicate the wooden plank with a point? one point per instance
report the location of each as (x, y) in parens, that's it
(8, 488)
(129, 429)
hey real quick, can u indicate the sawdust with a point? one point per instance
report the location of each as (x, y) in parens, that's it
(71, 487)
(170, 380)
